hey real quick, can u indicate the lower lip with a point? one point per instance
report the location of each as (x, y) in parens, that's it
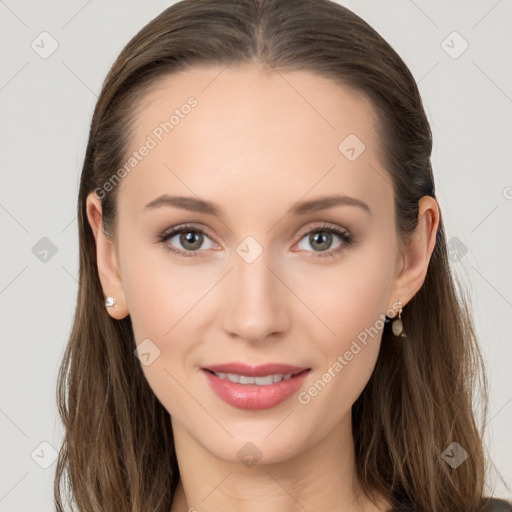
(253, 396)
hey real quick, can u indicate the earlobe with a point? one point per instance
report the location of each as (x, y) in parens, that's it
(107, 261)
(418, 251)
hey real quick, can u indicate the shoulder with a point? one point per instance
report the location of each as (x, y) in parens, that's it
(489, 505)
(497, 505)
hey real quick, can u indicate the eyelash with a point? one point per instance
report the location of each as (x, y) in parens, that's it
(346, 238)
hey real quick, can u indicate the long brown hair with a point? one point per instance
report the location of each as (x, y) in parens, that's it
(118, 451)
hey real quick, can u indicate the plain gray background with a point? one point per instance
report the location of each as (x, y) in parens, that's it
(46, 106)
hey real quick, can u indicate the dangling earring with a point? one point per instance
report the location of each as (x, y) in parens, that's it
(397, 326)
(110, 302)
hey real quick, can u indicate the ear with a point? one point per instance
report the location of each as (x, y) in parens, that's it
(108, 268)
(417, 252)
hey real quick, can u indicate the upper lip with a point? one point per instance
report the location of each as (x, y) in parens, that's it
(256, 371)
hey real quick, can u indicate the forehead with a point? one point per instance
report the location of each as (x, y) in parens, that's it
(246, 130)
(258, 101)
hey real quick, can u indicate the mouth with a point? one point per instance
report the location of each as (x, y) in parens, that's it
(261, 370)
(254, 388)
(265, 380)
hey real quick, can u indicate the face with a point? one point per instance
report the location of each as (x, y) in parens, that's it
(265, 273)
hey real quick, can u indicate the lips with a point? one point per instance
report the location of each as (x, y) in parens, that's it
(246, 394)
(256, 371)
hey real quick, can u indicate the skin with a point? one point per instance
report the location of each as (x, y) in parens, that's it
(255, 146)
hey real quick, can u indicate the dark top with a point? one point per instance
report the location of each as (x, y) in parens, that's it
(492, 505)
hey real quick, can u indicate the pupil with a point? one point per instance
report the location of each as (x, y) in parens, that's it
(323, 238)
(188, 238)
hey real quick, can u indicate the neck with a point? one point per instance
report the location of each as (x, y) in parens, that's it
(318, 478)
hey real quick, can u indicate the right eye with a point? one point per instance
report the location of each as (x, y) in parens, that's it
(190, 238)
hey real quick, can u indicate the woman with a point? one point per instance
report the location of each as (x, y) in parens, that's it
(266, 316)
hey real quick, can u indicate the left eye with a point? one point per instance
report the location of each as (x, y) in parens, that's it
(321, 240)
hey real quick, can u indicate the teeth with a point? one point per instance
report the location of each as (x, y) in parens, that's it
(260, 381)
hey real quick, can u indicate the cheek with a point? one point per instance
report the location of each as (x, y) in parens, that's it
(348, 299)
(348, 356)
(168, 306)
(351, 304)
(160, 293)
(158, 307)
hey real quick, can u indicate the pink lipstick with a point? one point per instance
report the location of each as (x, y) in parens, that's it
(255, 387)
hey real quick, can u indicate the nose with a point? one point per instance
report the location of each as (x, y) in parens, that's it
(256, 306)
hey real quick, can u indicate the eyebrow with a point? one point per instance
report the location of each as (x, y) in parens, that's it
(200, 206)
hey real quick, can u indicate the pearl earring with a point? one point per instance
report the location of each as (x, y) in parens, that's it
(397, 326)
(110, 302)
